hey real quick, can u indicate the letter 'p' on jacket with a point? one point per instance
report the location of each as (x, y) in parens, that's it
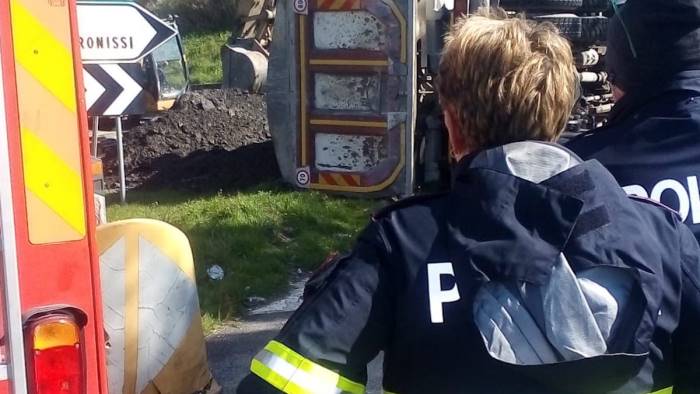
(535, 274)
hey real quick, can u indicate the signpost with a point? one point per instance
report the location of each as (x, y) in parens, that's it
(114, 39)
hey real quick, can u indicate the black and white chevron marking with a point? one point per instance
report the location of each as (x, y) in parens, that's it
(113, 89)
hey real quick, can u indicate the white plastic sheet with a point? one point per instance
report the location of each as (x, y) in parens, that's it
(449, 4)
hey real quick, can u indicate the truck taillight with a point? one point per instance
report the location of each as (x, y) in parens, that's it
(56, 362)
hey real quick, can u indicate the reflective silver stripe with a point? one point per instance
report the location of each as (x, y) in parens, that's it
(295, 375)
(13, 310)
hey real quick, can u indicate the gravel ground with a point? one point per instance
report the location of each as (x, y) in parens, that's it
(211, 140)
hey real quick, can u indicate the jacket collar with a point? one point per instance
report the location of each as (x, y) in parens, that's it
(534, 161)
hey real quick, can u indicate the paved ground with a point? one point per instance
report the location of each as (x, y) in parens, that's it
(231, 349)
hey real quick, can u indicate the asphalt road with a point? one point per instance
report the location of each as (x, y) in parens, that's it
(231, 348)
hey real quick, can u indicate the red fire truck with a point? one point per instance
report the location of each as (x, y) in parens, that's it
(52, 338)
(66, 326)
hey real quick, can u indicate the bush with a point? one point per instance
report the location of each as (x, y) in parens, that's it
(197, 15)
(203, 55)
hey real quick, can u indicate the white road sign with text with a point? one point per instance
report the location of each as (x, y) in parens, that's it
(119, 32)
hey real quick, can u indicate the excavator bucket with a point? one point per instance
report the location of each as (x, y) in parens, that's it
(244, 56)
(341, 94)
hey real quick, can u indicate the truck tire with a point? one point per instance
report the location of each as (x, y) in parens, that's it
(541, 5)
(594, 29)
(595, 5)
(587, 29)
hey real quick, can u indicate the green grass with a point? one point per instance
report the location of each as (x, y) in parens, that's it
(259, 237)
(203, 52)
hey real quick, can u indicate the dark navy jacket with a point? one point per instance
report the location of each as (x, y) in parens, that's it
(496, 228)
(651, 144)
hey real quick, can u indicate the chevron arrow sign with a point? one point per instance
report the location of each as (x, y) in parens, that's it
(113, 89)
(121, 32)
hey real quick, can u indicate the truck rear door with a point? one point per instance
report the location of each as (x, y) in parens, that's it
(340, 93)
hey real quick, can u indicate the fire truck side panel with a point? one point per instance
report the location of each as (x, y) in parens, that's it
(88, 202)
(50, 167)
(10, 191)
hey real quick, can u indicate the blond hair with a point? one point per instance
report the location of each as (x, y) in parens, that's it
(507, 80)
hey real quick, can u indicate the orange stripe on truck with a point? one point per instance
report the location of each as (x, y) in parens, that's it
(338, 179)
(338, 5)
(352, 180)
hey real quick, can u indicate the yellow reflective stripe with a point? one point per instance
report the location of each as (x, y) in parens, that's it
(313, 369)
(43, 55)
(293, 383)
(279, 382)
(347, 385)
(52, 181)
(285, 384)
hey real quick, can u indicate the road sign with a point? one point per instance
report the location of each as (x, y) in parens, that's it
(119, 31)
(113, 89)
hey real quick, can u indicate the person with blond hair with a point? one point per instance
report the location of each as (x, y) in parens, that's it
(536, 273)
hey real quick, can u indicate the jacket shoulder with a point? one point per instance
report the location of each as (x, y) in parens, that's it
(589, 143)
(648, 201)
(409, 202)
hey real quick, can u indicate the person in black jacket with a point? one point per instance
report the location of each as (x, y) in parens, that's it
(651, 142)
(536, 273)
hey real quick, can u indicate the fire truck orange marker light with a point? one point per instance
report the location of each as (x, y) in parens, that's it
(38, 51)
(55, 334)
(53, 182)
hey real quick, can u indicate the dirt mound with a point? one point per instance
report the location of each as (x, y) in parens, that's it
(211, 139)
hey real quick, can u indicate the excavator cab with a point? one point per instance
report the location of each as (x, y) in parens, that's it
(170, 69)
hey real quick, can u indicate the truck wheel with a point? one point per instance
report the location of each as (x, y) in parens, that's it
(595, 5)
(541, 5)
(587, 29)
(594, 29)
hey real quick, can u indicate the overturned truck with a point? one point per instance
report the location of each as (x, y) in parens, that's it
(351, 102)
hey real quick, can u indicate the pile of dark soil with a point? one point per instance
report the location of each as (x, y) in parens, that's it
(210, 140)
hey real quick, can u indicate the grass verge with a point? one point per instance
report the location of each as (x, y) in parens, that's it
(258, 237)
(203, 51)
